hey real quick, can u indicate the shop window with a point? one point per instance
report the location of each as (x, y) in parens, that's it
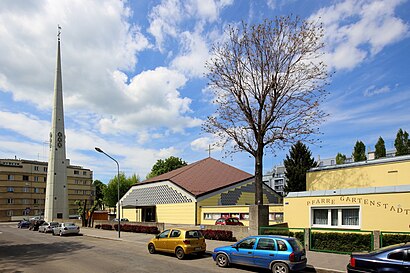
(341, 217)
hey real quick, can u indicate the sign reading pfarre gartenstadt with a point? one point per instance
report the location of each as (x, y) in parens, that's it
(360, 200)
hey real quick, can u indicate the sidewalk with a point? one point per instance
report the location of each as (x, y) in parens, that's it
(319, 262)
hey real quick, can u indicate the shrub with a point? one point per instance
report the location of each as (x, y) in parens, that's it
(138, 229)
(106, 226)
(300, 235)
(221, 235)
(341, 242)
(392, 239)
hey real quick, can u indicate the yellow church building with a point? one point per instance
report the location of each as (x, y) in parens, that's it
(369, 195)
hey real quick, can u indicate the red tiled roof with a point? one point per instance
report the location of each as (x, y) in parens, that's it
(203, 176)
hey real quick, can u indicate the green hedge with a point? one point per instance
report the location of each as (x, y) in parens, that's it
(300, 235)
(392, 239)
(340, 242)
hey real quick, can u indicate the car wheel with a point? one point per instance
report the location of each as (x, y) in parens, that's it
(280, 268)
(179, 252)
(222, 260)
(151, 248)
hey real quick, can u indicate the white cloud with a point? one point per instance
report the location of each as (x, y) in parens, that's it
(372, 90)
(356, 30)
(202, 144)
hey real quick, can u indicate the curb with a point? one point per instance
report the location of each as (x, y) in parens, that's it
(322, 270)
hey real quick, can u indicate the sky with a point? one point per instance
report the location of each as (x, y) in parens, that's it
(135, 85)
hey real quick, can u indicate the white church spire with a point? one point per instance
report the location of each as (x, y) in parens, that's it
(56, 204)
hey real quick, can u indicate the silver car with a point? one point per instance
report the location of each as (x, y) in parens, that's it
(47, 227)
(66, 228)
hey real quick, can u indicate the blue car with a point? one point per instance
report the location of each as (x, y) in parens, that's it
(277, 253)
(394, 258)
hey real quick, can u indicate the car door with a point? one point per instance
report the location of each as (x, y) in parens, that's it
(173, 240)
(265, 252)
(161, 239)
(395, 261)
(242, 252)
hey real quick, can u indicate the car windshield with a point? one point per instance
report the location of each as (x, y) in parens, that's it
(70, 224)
(193, 234)
(296, 245)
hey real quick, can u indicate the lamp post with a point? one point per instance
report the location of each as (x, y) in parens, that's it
(118, 188)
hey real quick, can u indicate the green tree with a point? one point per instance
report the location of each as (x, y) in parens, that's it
(380, 149)
(163, 166)
(134, 179)
(340, 158)
(268, 82)
(99, 193)
(297, 163)
(359, 152)
(111, 191)
(402, 143)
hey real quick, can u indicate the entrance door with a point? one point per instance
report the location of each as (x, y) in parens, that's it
(148, 214)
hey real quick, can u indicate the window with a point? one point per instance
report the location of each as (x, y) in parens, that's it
(36, 190)
(84, 173)
(10, 177)
(281, 245)
(35, 178)
(36, 168)
(175, 233)
(9, 213)
(45, 179)
(25, 189)
(266, 244)
(10, 201)
(396, 256)
(76, 172)
(45, 169)
(25, 177)
(35, 201)
(164, 234)
(340, 217)
(10, 189)
(247, 243)
(25, 201)
(277, 217)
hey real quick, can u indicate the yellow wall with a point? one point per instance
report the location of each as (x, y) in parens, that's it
(132, 214)
(181, 213)
(385, 212)
(374, 175)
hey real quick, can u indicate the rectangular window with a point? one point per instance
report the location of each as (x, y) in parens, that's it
(10, 177)
(10, 189)
(25, 177)
(76, 172)
(36, 190)
(9, 213)
(10, 201)
(35, 178)
(45, 169)
(36, 168)
(45, 179)
(84, 173)
(35, 201)
(25, 189)
(25, 201)
(336, 217)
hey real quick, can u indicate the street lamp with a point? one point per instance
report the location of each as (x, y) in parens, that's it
(118, 188)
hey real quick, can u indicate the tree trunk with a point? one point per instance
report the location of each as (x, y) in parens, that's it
(258, 177)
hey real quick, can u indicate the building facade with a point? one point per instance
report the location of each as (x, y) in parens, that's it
(23, 186)
(197, 194)
(276, 179)
(368, 195)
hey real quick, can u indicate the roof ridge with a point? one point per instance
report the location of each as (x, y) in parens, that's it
(186, 168)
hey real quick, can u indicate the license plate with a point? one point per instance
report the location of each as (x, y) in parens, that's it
(198, 248)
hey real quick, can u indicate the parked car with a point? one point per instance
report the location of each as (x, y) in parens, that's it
(35, 224)
(122, 220)
(47, 227)
(231, 221)
(277, 253)
(66, 229)
(179, 241)
(23, 224)
(394, 258)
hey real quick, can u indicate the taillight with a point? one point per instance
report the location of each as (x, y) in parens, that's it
(292, 257)
(352, 262)
(187, 242)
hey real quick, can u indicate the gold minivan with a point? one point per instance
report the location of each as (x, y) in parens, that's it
(179, 241)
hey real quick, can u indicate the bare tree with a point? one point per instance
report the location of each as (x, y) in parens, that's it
(268, 82)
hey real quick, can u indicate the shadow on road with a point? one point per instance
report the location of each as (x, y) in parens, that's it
(31, 254)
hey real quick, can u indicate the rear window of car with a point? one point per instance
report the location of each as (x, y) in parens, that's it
(296, 245)
(193, 234)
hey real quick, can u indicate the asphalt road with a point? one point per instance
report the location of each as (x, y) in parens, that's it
(22, 250)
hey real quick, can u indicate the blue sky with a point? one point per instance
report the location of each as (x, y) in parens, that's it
(134, 85)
